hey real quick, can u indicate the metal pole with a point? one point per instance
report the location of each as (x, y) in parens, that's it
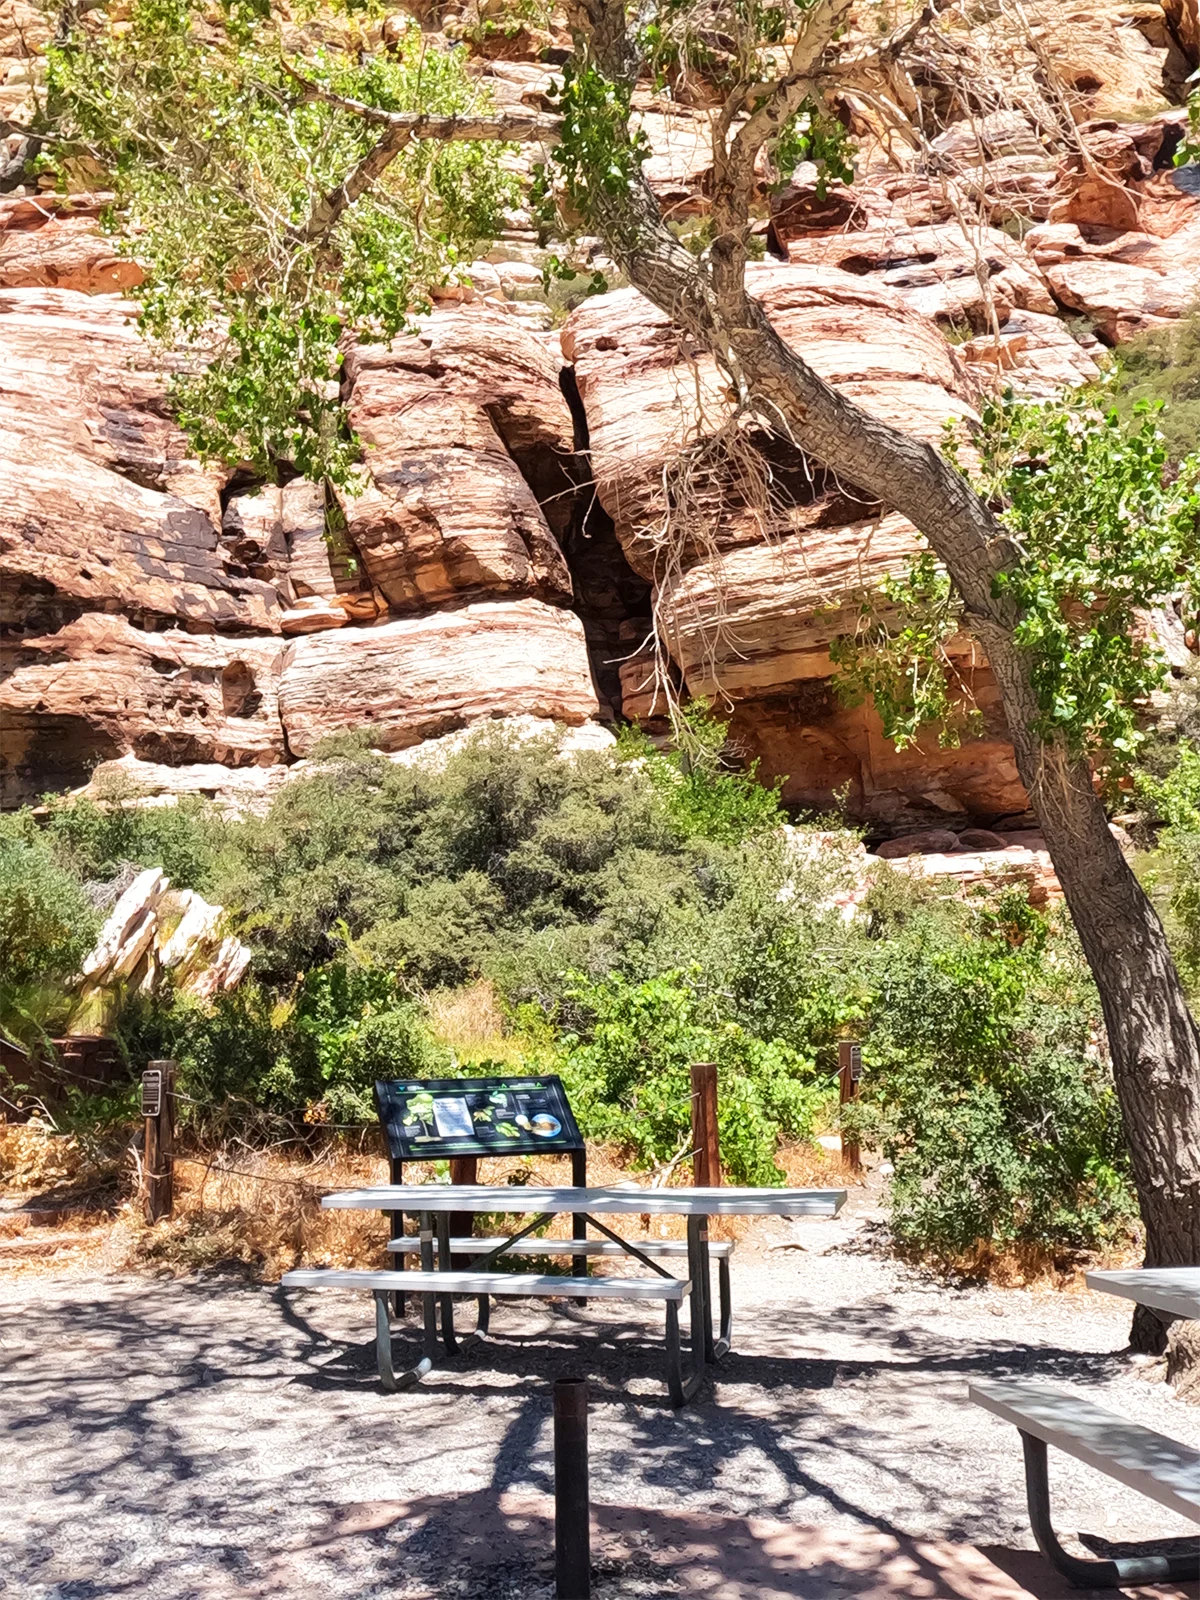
(706, 1142)
(849, 1072)
(572, 1513)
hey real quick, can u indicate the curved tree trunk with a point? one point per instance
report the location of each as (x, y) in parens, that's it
(1153, 1038)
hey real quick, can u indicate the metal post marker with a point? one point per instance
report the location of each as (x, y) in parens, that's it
(572, 1512)
(158, 1109)
(849, 1073)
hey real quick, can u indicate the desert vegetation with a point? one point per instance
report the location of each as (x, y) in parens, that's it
(613, 915)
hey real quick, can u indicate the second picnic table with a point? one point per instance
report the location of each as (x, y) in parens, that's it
(436, 1204)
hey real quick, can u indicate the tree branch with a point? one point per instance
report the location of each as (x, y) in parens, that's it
(734, 170)
(401, 128)
(508, 127)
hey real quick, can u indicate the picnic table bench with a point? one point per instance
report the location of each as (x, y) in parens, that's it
(434, 1205)
(1158, 1467)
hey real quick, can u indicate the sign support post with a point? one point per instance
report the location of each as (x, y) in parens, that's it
(158, 1110)
(706, 1138)
(849, 1073)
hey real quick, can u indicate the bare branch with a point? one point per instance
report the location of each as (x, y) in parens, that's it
(734, 173)
(903, 37)
(509, 127)
(402, 127)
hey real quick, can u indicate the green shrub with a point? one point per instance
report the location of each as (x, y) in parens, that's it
(629, 1079)
(703, 794)
(1164, 364)
(351, 1025)
(635, 910)
(47, 926)
(94, 839)
(985, 1089)
(1182, 857)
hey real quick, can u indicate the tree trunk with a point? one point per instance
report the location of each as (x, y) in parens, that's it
(1152, 1035)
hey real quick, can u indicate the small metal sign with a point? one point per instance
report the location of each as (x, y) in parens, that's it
(152, 1083)
(855, 1062)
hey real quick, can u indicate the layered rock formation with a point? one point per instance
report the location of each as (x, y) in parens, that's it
(196, 631)
(750, 620)
(150, 605)
(151, 930)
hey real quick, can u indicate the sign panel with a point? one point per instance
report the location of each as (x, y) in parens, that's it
(152, 1092)
(434, 1118)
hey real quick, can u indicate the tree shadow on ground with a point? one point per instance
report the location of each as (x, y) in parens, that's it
(129, 1398)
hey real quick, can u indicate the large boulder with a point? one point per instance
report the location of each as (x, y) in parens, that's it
(104, 505)
(416, 677)
(1121, 245)
(465, 429)
(153, 930)
(983, 288)
(99, 688)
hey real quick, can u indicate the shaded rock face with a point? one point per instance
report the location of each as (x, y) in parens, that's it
(149, 602)
(750, 621)
(99, 687)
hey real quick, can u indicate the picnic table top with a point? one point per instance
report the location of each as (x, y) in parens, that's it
(1175, 1290)
(611, 1202)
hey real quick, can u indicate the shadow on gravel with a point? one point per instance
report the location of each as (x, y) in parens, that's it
(143, 1399)
(484, 1545)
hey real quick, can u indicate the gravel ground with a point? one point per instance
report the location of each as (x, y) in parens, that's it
(205, 1437)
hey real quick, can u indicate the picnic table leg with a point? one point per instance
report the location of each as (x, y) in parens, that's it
(444, 1262)
(725, 1337)
(1089, 1574)
(579, 1222)
(428, 1301)
(679, 1388)
(383, 1350)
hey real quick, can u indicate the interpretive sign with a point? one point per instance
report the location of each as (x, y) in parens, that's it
(435, 1118)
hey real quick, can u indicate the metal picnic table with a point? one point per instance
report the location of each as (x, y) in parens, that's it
(1173, 1290)
(435, 1204)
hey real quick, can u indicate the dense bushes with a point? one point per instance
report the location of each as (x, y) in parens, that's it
(987, 1089)
(47, 926)
(634, 911)
(1168, 791)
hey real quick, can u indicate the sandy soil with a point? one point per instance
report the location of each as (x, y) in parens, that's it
(208, 1437)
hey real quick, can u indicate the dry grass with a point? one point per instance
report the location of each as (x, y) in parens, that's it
(33, 1158)
(471, 1022)
(260, 1211)
(1032, 1266)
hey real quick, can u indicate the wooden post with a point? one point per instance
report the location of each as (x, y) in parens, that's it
(158, 1109)
(849, 1072)
(706, 1139)
(572, 1511)
(463, 1169)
